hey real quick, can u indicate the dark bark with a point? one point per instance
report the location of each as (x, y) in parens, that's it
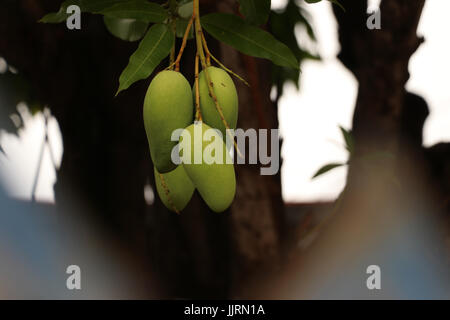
(389, 172)
(391, 175)
(379, 60)
(389, 194)
(106, 162)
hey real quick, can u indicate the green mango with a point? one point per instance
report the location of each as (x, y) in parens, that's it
(175, 189)
(168, 106)
(227, 97)
(215, 181)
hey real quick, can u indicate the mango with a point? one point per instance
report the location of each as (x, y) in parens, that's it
(227, 97)
(168, 106)
(208, 164)
(175, 189)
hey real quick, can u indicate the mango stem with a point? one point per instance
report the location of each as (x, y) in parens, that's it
(200, 49)
(198, 113)
(183, 44)
(209, 54)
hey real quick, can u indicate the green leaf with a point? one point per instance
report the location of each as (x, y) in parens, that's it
(152, 50)
(185, 10)
(327, 168)
(255, 11)
(61, 15)
(126, 29)
(137, 10)
(248, 39)
(283, 24)
(348, 138)
(95, 6)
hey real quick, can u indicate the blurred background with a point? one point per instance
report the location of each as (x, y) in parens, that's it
(77, 175)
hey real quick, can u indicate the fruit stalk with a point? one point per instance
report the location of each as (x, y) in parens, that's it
(198, 36)
(198, 113)
(183, 44)
(209, 54)
(173, 24)
(201, 53)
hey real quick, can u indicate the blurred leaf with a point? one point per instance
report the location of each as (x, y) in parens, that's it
(283, 24)
(348, 138)
(185, 10)
(336, 2)
(255, 11)
(61, 15)
(247, 39)
(96, 6)
(152, 50)
(13, 89)
(126, 29)
(137, 10)
(327, 168)
(92, 6)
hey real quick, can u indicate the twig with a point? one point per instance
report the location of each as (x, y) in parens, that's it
(183, 45)
(201, 52)
(198, 113)
(209, 54)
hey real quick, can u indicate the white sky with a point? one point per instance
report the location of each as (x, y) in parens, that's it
(309, 118)
(19, 167)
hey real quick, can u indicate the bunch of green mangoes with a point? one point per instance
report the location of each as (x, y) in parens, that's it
(168, 106)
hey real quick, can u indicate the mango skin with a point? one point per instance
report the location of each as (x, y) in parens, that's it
(227, 97)
(168, 106)
(180, 189)
(215, 182)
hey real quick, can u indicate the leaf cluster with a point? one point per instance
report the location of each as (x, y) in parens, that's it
(157, 26)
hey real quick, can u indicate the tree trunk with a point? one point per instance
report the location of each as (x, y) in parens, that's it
(387, 212)
(379, 60)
